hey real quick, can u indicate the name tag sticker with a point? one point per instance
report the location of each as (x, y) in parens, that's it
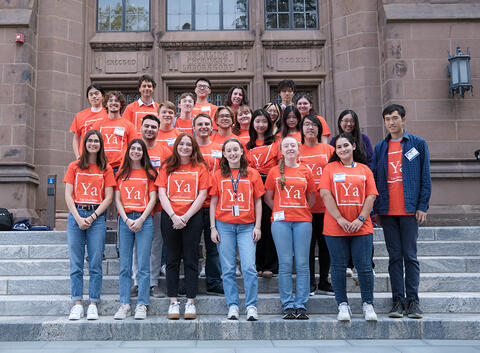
(119, 131)
(236, 210)
(338, 177)
(216, 154)
(156, 163)
(278, 216)
(171, 141)
(412, 154)
(206, 108)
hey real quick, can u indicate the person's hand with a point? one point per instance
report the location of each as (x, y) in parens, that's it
(355, 225)
(257, 234)
(135, 225)
(215, 236)
(83, 223)
(184, 219)
(420, 216)
(342, 222)
(178, 222)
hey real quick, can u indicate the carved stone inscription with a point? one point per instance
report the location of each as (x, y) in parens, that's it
(121, 62)
(207, 61)
(294, 60)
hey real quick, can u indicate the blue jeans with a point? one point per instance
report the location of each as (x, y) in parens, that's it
(401, 234)
(143, 240)
(241, 235)
(94, 238)
(293, 239)
(360, 248)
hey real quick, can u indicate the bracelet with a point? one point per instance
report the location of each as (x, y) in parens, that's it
(212, 227)
(95, 213)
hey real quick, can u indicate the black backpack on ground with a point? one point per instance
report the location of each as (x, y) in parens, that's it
(6, 220)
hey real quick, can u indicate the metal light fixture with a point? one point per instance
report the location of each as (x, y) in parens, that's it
(459, 73)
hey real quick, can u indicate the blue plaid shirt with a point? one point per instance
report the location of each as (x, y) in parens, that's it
(417, 184)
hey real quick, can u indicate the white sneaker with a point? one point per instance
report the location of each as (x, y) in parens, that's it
(163, 270)
(349, 272)
(369, 312)
(92, 312)
(312, 293)
(202, 272)
(76, 312)
(174, 311)
(122, 312)
(233, 313)
(190, 311)
(140, 312)
(344, 312)
(252, 314)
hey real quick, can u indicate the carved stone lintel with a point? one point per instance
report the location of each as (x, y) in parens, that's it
(119, 46)
(293, 44)
(202, 45)
(207, 61)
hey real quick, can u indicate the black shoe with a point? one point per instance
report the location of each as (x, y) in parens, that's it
(397, 310)
(324, 287)
(302, 314)
(413, 310)
(216, 290)
(289, 314)
(134, 291)
(312, 290)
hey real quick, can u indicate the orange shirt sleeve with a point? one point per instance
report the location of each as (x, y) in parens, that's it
(109, 177)
(325, 180)
(204, 178)
(370, 187)
(270, 182)
(151, 185)
(70, 174)
(215, 181)
(128, 113)
(162, 178)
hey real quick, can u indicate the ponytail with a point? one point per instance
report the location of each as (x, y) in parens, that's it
(282, 180)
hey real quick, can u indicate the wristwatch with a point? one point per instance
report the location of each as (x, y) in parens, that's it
(361, 218)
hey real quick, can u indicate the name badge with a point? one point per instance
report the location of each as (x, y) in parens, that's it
(119, 131)
(216, 154)
(156, 163)
(236, 210)
(338, 177)
(171, 141)
(278, 216)
(206, 108)
(412, 154)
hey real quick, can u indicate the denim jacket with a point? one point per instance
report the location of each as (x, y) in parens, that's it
(417, 184)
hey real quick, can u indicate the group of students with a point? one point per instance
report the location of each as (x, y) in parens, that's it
(265, 182)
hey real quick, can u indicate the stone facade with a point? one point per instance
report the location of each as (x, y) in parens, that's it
(366, 54)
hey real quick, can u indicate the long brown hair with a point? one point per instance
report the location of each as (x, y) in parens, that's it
(101, 161)
(172, 163)
(126, 168)
(225, 167)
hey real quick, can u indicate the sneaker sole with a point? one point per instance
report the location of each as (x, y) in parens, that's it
(190, 316)
(251, 318)
(74, 318)
(92, 318)
(344, 320)
(215, 294)
(395, 315)
(140, 318)
(415, 316)
(324, 292)
(173, 316)
(232, 317)
(119, 318)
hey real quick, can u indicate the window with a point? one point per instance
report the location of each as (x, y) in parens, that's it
(309, 91)
(204, 15)
(291, 14)
(217, 96)
(123, 15)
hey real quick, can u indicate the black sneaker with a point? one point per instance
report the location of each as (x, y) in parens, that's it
(325, 288)
(289, 314)
(397, 310)
(302, 314)
(413, 310)
(216, 290)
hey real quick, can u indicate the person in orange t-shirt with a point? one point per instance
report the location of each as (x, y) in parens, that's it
(89, 186)
(242, 123)
(212, 153)
(348, 190)
(290, 194)
(290, 126)
(315, 155)
(184, 122)
(117, 132)
(235, 215)
(167, 134)
(236, 97)
(85, 119)
(135, 111)
(262, 154)
(202, 90)
(225, 119)
(305, 107)
(135, 197)
(183, 184)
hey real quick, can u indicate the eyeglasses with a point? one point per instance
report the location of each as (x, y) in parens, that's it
(203, 86)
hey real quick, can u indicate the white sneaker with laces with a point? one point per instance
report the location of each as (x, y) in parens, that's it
(344, 312)
(122, 312)
(140, 312)
(252, 314)
(76, 312)
(92, 312)
(174, 311)
(369, 312)
(233, 312)
(190, 311)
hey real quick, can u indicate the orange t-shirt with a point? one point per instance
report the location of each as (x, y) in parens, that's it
(183, 185)
(135, 113)
(325, 129)
(316, 158)
(396, 204)
(167, 138)
(349, 187)
(116, 133)
(158, 154)
(244, 137)
(206, 108)
(263, 157)
(84, 121)
(89, 184)
(296, 135)
(217, 138)
(135, 191)
(184, 125)
(291, 201)
(249, 188)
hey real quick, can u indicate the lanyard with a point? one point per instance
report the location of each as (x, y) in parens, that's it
(235, 184)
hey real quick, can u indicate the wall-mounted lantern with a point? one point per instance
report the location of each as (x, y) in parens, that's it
(459, 73)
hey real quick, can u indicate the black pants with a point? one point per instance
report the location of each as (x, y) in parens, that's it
(323, 255)
(213, 270)
(182, 243)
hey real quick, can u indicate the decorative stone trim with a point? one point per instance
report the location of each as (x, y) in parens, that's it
(18, 173)
(431, 12)
(202, 45)
(453, 169)
(293, 44)
(119, 46)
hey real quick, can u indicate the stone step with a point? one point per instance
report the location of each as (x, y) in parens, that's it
(429, 282)
(55, 267)
(59, 305)
(269, 327)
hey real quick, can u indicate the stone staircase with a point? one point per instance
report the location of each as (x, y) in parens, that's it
(35, 302)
